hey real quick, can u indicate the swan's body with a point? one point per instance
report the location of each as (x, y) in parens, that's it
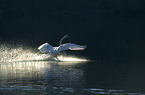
(53, 51)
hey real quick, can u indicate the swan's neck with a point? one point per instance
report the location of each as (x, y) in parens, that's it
(63, 39)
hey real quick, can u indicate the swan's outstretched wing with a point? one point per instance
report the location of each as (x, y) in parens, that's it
(70, 46)
(45, 48)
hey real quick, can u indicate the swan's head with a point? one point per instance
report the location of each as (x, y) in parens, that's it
(66, 36)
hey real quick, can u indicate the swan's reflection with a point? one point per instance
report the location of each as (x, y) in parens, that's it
(52, 74)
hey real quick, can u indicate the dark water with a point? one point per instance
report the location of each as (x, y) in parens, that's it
(70, 78)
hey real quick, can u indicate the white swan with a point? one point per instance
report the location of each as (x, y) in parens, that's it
(53, 51)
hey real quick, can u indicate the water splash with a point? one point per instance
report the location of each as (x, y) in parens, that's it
(8, 54)
(21, 53)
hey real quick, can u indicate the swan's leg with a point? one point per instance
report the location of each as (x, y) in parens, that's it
(56, 58)
(53, 55)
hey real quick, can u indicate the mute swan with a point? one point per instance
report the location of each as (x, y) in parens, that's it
(53, 51)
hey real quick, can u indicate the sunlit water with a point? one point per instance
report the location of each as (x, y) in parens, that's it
(24, 72)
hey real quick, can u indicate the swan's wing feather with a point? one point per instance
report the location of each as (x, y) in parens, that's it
(70, 46)
(45, 48)
(76, 47)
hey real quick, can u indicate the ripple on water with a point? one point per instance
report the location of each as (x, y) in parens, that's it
(39, 89)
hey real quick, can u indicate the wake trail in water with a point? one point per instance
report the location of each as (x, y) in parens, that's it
(8, 54)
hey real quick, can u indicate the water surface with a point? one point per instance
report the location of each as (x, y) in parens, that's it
(68, 78)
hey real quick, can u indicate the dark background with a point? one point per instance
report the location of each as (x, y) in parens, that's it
(113, 30)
